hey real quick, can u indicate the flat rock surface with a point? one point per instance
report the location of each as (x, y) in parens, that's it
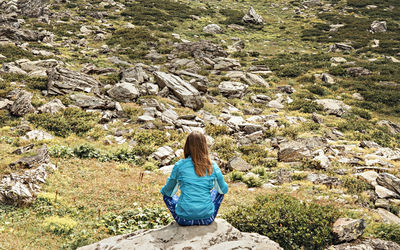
(219, 235)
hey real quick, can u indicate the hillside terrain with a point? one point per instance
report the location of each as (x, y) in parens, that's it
(300, 102)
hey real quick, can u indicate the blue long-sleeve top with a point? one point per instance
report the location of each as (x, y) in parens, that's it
(195, 200)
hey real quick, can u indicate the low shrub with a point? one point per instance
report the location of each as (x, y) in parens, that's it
(150, 137)
(66, 122)
(138, 218)
(225, 147)
(59, 225)
(290, 222)
(216, 130)
(235, 176)
(355, 185)
(252, 181)
(389, 232)
(305, 106)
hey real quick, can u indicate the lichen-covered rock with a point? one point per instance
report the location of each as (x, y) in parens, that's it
(346, 229)
(213, 29)
(378, 26)
(42, 156)
(218, 235)
(237, 163)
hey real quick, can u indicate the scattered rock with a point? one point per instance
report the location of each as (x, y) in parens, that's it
(42, 156)
(164, 155)
(92, 102)
(327, 78)
(378, 26)
(218, 235)
(389, 181)
(333, 107)
(186, 93)
(358, 71)
(135, 75)
(22, 189)
(202, 49)
(37, 135)
(392, 127)
(63, 81)
(346, 229)
(297, 150)
(238, 164)
(340, 47)
(388, 217)
(52, 107)
(124, 92)
(252, 17)
(22, 105)
(232, 89)
(213, 29)
(367, 244)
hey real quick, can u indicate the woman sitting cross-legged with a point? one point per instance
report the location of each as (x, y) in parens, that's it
(201, 183)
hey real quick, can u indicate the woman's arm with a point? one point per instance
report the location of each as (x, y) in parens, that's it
(171, 186)
(220, 184)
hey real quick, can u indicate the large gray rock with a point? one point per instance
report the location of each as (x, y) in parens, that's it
(52, 107)
(346, 229)
(252, 17)
(42, 156)
(21, 189)
(201, 49)
(63, 81)
(388, 217)
(92, 102)
(232, 89)
(392, 127)
(164, 155)
(340, 47)
(186, 93)
(333, 107)
(367, 244)
(358, 71)
(237, 163)
(291, 151)
(378, 26)
(124, 92)
(33, 8)
(213, 29)
(22, 105)
(134, 75)
(389, 181)
(216, 236)
(21, 34)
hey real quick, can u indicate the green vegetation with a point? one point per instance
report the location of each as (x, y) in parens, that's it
(389, 232)
(286, 220)
(66, 122)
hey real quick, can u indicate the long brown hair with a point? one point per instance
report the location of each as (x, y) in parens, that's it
(196, 147)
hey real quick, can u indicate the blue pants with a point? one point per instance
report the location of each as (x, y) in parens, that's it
(172, 201)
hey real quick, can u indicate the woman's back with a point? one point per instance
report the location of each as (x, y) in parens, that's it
(195, 201)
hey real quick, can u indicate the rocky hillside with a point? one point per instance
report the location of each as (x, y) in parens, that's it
(300, 102)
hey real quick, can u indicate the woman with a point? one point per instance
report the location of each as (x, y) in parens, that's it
(196, 176)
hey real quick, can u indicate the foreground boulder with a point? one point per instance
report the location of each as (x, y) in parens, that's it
(219, 235)
(186, 93)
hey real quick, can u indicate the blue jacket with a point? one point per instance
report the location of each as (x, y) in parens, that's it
(195, 200)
